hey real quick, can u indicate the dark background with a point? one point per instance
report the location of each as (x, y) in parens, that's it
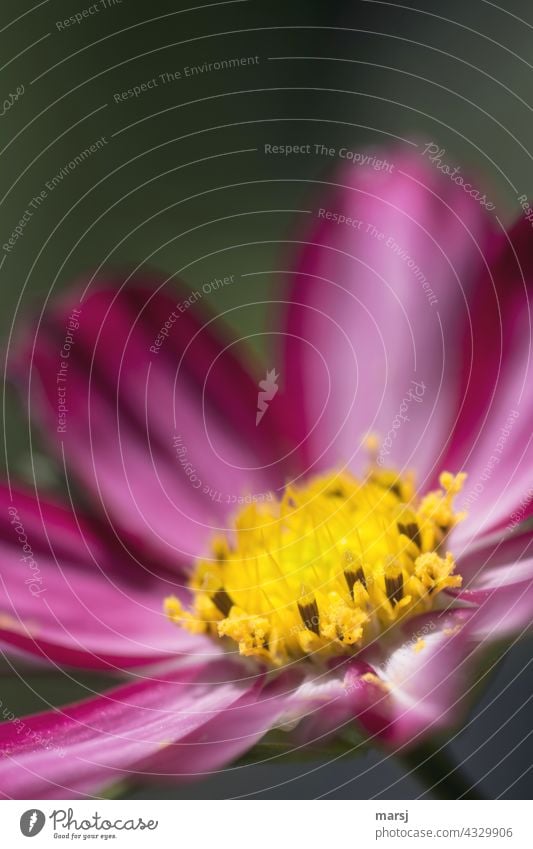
(183, 185)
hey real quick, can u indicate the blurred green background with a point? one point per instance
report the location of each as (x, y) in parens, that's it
(182, 184)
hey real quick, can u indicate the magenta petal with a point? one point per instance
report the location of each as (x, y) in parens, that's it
(366, 341)
(491, 550)
(161, 430)
(83, 748)
(417, 688)
(424, 682)
(492, 437)
(67, 595)
(233, 732)
(177, 726)
(320, 708)
(503, 596)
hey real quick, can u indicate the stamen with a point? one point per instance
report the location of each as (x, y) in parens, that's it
(394, 588)
(354, 571)
(308, 609)
(394, 581)
(353, 577)
(411, 530)
(372, 552)
(222, 601)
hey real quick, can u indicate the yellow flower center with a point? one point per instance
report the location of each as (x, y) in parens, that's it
(326, 569)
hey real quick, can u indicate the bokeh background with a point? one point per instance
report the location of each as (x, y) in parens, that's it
(182, 184)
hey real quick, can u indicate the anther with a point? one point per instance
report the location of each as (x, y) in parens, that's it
(394, 588)
(352, 577)
(308, 609)
(222, 601)
(353, 572)
(410, 530)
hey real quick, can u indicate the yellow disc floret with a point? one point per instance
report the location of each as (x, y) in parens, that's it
(326, 569)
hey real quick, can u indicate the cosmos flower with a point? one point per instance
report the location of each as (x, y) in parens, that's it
(332, 546)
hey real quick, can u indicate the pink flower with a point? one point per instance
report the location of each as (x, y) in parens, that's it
(311, 590)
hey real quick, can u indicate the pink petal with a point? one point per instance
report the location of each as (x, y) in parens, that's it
(492, 438)
(413, 691)
(496, 549)
(178, 726)
(83, 748)
(319, 708)
(364, 342)
(415, 688)
(503, 596)
(127, 406)
(233, 732)
(68, 595)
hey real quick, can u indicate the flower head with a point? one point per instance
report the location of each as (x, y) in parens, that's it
(312, 590)
(327, 569)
